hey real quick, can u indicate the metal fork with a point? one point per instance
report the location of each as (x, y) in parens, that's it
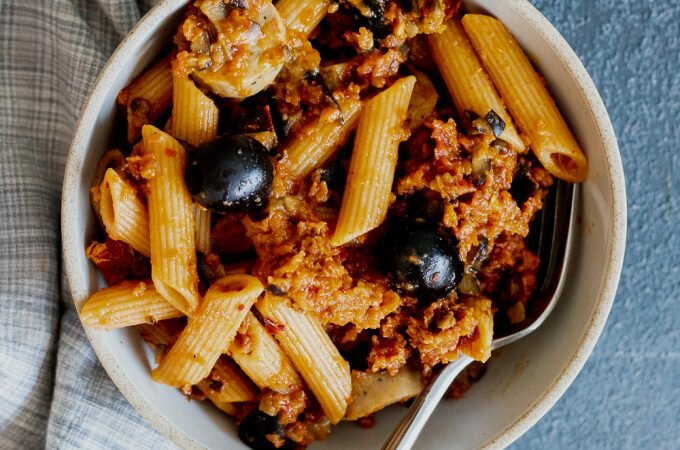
(554, 242)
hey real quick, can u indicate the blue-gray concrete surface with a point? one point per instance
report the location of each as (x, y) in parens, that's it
(628, 394)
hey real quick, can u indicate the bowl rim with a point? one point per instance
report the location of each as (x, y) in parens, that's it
(605, 298)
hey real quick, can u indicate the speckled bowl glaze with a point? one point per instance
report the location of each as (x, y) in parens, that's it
(523, 381)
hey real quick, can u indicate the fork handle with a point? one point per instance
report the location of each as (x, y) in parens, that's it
(408, 430)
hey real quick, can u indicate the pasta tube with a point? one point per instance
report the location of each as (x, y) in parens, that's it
(209, 331)
(227, 384)
(194, 114)
(527, 98)
(260, 356)
(467, 81)
(162, 333)
(202, 221)
(372, 392)
(171, 224)
(302, 15)
(263, 360)
(147, 97)
(123, 214)
(125, 304)
(317, 144)
(313, 353)
(374, 160)
(479, 345)
(113, 158)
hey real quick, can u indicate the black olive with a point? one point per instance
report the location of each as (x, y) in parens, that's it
(372, 16)
(421, 258)
(232, 173)
(426, 204)
(522, 187)
(253, 431)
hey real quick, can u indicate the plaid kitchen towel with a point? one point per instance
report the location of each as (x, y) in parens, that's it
(53, 391)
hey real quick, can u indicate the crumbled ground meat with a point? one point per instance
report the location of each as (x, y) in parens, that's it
(117, 261)
(288, 406)
(295, 254)
(310, 427)
(228, 236)
(436, 336)
(509, 275)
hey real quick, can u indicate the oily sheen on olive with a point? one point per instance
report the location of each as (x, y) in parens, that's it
(230, 174)
(253, 431)
(421, 259)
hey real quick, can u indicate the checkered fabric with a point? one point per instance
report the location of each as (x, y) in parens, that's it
(53, 391)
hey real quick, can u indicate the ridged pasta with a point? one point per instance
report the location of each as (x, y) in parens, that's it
(467, 81)
(202, 221)
(161, 333)
(227, 384)
(374, 159)
(302, 15)
(317, 144)
(209, 331)
(125, 304)
(194, 114)
(313, 353)
(528, 99)
(372, 392)
(263, 360)
(123, 214)
(112, 159)
(147, 97)
(171, 224)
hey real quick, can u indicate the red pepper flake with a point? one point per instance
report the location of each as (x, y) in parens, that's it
(272, 327)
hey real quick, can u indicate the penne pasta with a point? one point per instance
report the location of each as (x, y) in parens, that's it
(113, 158)
(262, 359)
(209, 331)
(479, 345)
(171, 225)
(128, 303)
(423, 101)
(194, 114)
(467, 81)
(147, 97)
(528, 99)
(372, 392)
(302, 15)
(161, 333)
(202, 221)
(123, 214)
(318, 143)
(313, 353)
(224, 406)
(374, 159)
(227, 384)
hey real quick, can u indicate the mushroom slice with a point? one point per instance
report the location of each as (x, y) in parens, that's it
(245, 59)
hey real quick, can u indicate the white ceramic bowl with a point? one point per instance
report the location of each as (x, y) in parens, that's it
(523, 381)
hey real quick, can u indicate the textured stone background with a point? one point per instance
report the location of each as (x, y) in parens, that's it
(628, 394)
